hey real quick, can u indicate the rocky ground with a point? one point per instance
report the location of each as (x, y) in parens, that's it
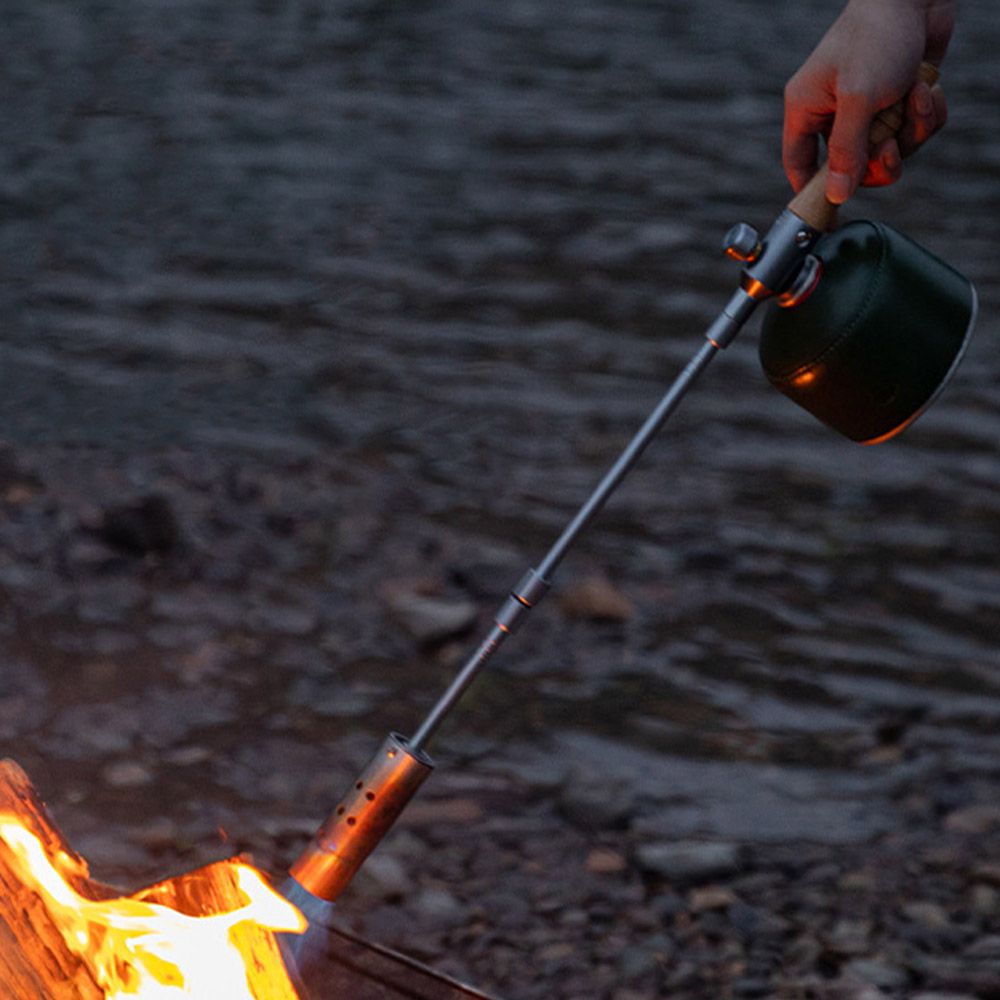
(178, 698)
(319, 325)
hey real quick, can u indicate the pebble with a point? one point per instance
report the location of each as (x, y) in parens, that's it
(987, 947)
(978, 819)
(595, 598)
(201, 604)
(574, 917)
(324, 696)
(848, 989)
(205, 662)
(25, 578)
(159, 834)
(850, 937)
(110, 604)
(140, 527)
(82, 731)
(668, 906)
(439, 907)
(746, 920)
(690, 861)
(880, 974)
(89, 556)
(713, 897)
(490, 572)
(282, 620)
(595, 805)
(554, 954)
(188, 756)
(180, 635)
(431, 619)
(635, 962)
(926, 914)
(985, 899)
(603, 861)
(127, 774)
(857, 881)
(988, 872)
(942, 996)
(385, 875)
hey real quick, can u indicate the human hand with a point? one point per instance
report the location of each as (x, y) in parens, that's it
(867, 61)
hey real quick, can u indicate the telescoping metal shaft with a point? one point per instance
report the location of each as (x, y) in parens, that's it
(534, 585)
(772, 265)
(400, 767)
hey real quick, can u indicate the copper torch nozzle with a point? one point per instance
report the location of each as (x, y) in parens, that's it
(362, 818)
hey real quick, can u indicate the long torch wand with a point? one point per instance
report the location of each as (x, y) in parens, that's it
(387, 784)
(778, 264)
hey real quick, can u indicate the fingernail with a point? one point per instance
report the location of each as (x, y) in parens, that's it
(891, 159)
(799, 181)
(839, 187)
(922, 99)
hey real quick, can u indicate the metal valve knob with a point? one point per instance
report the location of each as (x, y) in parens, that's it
(742, 243)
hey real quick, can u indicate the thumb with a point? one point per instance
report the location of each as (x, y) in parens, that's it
(847, 149)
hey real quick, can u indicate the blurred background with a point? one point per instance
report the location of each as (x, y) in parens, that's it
(319, 322)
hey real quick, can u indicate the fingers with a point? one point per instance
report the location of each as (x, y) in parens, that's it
(848, 146)
(885, 164)
(926, 113)
(799, 156)
(805, 119)
(819, 103)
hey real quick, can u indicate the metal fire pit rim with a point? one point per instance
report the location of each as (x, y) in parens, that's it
(392, 962)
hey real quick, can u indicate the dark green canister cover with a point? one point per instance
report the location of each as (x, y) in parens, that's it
(870, 347)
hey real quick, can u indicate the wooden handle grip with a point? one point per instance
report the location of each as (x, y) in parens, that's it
(810, 203)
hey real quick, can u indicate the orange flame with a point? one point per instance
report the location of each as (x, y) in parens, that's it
(140, 950)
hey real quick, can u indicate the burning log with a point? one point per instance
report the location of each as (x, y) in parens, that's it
(64, 936)
(35, 962)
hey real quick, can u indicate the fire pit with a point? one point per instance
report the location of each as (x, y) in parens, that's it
(209, 934)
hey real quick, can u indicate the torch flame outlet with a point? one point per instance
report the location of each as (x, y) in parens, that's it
(362, 818)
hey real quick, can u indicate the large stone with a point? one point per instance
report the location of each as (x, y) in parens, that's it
(880, 974)
(690, 860)
(694, 799)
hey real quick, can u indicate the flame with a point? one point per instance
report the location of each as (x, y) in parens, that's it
(140, 950)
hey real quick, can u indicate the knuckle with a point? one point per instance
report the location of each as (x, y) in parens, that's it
(854, 99)
(844, 157)
(792, 88)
